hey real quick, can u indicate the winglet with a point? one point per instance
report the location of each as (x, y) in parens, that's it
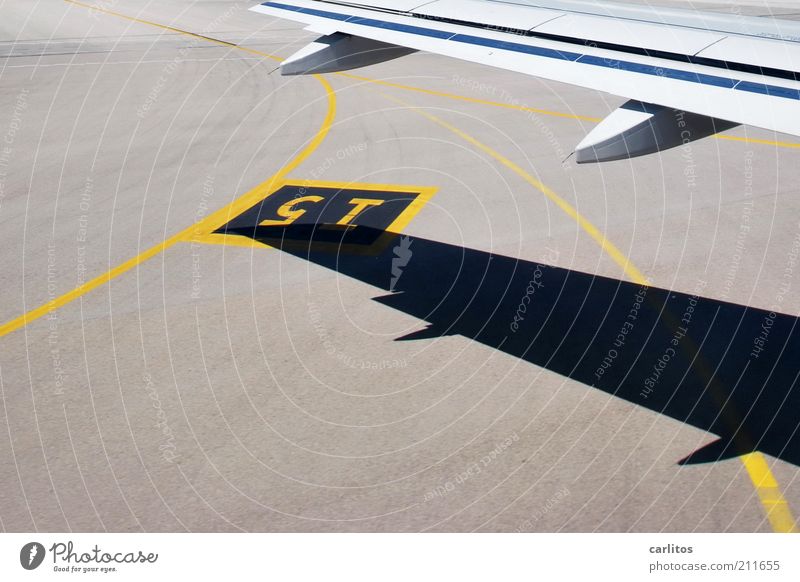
(636, 129)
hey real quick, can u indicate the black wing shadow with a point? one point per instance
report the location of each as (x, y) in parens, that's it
(724, 368)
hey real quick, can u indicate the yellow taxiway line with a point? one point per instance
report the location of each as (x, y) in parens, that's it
(772, 500)
(776, 506)
(547, 112)
(211, 222)
(467, 99)
(606, 245)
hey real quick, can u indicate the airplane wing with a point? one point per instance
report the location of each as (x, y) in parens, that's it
(686, 74)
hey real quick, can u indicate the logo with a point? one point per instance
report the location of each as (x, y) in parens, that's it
(31, 555)
(402, 254)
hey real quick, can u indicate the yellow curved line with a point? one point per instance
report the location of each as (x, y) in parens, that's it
(779, 144)
(172, 29)
(606, 245)
(776, 506)
(489, 103)
(222, 216)
(471, 99)
(212, 221)
(772, 500)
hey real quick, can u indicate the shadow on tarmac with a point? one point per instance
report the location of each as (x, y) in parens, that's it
(727, 369)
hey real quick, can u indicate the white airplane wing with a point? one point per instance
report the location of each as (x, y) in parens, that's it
(687, 74)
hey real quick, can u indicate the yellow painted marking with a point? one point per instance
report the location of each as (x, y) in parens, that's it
(775, 505)
(203, 232)
(457, 97)
(204, 229)
(224, 215)
(361, 204)
(401, 222)
(233, 240)
(217, 218)
(757, 466)
(470, 99)
(454, 96)
(62, 300)
(778, 511)
(289, 213)
(96, 8)
(606, 245)
(779, 144)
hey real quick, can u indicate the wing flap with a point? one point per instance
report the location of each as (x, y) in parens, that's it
(731, 23)
(760, 53)
(716, 92)
(390, 5)
(495, 15)
(629, 33)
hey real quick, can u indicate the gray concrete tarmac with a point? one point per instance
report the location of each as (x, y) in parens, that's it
(222, 385)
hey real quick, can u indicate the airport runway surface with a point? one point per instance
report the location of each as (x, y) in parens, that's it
(543, 347)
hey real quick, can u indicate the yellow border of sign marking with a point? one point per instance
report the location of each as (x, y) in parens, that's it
(457, 97)
(219, 217)
(424, 194)
(772, 500)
